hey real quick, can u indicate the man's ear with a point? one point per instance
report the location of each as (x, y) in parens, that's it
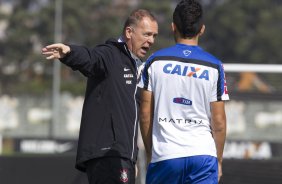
(202, 30)
(173, 27)
(128, 32)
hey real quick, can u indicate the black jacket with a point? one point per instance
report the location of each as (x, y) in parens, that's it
(109, 121)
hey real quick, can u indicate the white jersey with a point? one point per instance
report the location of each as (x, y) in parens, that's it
(184, 81)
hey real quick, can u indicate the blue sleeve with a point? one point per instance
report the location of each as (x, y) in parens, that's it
(145, 74)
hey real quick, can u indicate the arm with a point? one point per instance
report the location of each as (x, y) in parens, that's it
(146, 121)
(218, 126)
(89, 62)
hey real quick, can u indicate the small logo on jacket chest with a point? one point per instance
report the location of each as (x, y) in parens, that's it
(127, 75)
(128, 78)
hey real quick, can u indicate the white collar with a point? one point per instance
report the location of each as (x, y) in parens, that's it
(120, 39)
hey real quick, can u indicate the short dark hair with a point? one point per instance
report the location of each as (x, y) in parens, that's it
(188, 18)
(136, 16)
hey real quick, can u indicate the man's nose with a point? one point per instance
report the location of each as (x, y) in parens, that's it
(151, 40)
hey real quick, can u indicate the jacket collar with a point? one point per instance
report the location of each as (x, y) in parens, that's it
(137, 60)
(122, 45)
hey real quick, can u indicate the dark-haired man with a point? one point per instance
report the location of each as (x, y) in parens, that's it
(107, 145)
(182, 120)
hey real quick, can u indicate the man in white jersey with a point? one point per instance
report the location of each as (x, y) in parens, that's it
(183, 122)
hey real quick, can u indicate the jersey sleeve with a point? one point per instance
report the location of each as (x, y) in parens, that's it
(219, 90)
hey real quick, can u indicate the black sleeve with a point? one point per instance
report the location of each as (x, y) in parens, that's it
(90, 62)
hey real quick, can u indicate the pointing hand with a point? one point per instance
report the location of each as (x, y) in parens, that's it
(55, 51)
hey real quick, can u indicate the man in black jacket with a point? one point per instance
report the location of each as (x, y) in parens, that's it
(107, 148)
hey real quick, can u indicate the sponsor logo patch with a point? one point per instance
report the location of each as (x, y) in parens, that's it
(180, 121)
(182, 101)
(188, 71)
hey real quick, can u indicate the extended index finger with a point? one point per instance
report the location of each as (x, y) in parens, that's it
(54, 46)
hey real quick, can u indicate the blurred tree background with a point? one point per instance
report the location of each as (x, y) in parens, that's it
(246, 31)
